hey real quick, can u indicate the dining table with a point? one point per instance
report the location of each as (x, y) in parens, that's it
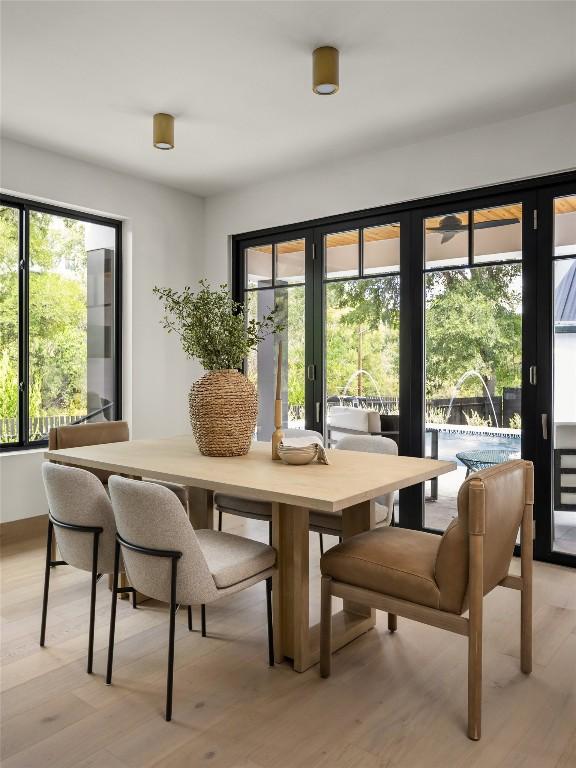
(347, 486)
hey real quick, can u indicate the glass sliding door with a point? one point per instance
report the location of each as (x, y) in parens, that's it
(563, 429)
(473, 346)
(361, 320)
(275, 278)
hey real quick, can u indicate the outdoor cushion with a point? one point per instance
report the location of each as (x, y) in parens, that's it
(232, 559)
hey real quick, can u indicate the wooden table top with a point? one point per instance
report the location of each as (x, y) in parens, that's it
(350, 478)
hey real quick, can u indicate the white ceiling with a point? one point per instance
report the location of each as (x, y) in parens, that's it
(84, 78)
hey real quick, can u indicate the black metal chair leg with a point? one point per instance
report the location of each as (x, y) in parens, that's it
(219, 519)
(190, 618)
(92, 603)
(173, 609)
(134, 603)
(321, 543)
(203, 617)
(113, 614)
(46, 581)
(270, 533)
(270, 627)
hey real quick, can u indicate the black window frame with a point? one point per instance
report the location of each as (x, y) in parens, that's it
(25, 206)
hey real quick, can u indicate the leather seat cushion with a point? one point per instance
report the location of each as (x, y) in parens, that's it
(232, 559)
(392, 561)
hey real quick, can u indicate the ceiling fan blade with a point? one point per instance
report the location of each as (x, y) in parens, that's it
(495, 223)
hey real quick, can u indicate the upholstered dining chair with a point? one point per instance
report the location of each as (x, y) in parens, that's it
(331, 523)
(435, 580)
(166, 559)
(82, 521)
(254, 509)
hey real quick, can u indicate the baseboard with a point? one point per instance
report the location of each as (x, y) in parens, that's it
(23, 530)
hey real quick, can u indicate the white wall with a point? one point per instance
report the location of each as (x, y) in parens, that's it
(541, 143)
(163, 242)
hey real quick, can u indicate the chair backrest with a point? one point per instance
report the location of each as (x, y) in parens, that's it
(77, 435)
(371, 444)
(491, 503)
(149, 515)
(76, 496)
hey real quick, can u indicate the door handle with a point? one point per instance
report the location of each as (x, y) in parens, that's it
(317, 413)
(544, 418)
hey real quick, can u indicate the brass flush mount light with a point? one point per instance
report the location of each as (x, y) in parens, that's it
(325, 70)
(163, 131)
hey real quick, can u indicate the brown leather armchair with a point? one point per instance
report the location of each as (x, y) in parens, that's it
(435, 580)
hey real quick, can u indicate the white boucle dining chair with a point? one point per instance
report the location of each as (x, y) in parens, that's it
(166, 559)
(81, 519)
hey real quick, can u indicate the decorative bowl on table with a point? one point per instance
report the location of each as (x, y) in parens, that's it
(300, 451)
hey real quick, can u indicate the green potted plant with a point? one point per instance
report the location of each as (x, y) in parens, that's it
(213, 329)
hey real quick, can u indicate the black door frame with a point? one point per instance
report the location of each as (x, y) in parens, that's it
(543, 449)
(536, 340)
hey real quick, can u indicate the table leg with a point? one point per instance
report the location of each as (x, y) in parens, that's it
(294, 638)
(200, 507)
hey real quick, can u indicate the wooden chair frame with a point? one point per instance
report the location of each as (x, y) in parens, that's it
(470, 626)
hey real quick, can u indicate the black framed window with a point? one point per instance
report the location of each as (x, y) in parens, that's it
(60, 311)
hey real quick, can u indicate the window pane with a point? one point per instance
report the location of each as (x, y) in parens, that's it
(446, 240)
(473, 376)
(498, 233)
(9, 236)
(362, 356)
(565, 226)
(261, 364)
(382, 249)
(290, 262)
(342, 254)
(71, 348)
(564, 432)
(258, 266)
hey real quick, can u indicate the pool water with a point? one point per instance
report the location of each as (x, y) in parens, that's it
(449, 444)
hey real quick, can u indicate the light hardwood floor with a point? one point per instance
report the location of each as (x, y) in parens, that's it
(393, 701)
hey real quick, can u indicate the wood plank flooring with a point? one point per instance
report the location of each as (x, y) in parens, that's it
(393, 701)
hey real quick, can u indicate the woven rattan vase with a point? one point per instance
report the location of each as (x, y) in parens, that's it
(223, 411)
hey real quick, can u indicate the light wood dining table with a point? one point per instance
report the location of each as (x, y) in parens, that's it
(348, 486)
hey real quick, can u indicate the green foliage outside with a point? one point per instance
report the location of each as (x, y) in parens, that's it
(57, 315)
(473, 322)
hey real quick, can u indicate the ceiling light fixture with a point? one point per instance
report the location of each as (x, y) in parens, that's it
(163, 131)
(325, 70)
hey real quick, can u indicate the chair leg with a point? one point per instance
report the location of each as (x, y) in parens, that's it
(203, 619)
(475, 639)
(113, 614)
(219, 519)
(92, 602)
(526, 593)
(190, 618)
(326, 627)
(49, 538)
(321, 537)
(269, 617)
(392, 622)
(270, 533)
(173, 609)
